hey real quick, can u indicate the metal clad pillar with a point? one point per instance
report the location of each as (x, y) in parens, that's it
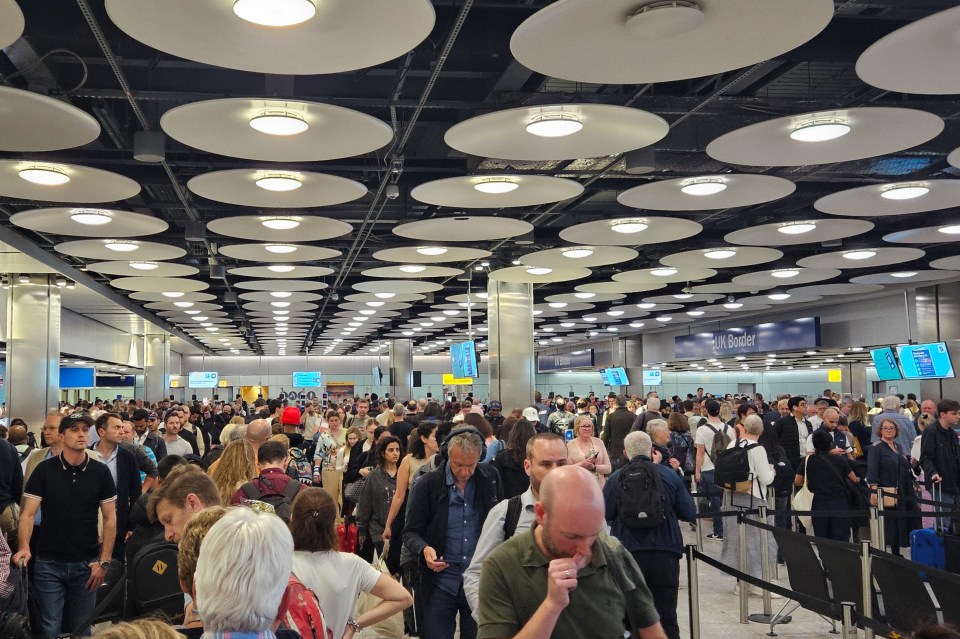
(156, 366)
(33, 350)
(401, 369)
(630, 351)
(511, 363)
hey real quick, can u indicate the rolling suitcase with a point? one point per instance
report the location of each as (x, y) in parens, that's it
(926, 544)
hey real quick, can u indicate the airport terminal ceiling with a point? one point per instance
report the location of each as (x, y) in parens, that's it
(655, 160)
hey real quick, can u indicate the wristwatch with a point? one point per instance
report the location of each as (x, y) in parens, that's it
(105, 564)
(352, 623)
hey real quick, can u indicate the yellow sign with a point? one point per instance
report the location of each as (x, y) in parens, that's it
(834, 375)
(450, 380)
(174, 383)
(223, 383)
(159, 567)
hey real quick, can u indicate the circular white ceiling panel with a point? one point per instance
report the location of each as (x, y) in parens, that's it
(397, 286)
(723, 257)
(916, 58)
(169, 305)
(755, 301)
(342, 35)
(278, 252)
(293, 307)
(619, 287)
(383, 305)
(34, 122)
(754, 305)
(373, 297)
(664, 275)
(557, 132)
(140, 269)
(266, 188)
(496, 191)
(592, 298)
(826, 136)
(159, 284)
(430, 254)
(11, 22)
(185, 298)
(538, 276)
(862, 258)
(580, 256)
(895, 198)
(412, 271)
(686, 299)
(295, 228)
(626, 42)
(947, 232)
(270, 296)
(281, 271)
(835, 289)
(788, 276)
(29, 180)
(951, 263)
(463, 228)
(895, 277)
(798, 232)
(564, 307)
(631, 230)
(707, 192)
(953, 159)
(723, 288)
(128, 249)
(281, 285)
(89, 222)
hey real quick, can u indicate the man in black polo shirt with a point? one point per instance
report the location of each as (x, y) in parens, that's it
(70, 564)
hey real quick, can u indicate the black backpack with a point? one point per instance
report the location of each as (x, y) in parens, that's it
(732, 466)
(13, 625)
(152, 582)
(640, 500)
(282, 502)
(512, 517)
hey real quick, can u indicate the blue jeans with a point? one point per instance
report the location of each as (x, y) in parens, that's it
(62, 595)
(713, 497)
(440, 618)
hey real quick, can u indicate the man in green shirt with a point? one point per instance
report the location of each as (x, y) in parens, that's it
(565, 578)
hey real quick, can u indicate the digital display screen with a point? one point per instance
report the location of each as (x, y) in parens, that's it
(886, 364)
(463, 359)
(614, 376)
(77, 378)
(925, 361)
(652, 378)
(307, 379)
(203, 379)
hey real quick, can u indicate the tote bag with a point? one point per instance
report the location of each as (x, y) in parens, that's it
(803, 500)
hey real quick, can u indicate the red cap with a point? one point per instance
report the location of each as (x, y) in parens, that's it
(290, 415)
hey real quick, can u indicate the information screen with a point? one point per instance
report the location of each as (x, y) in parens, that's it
(614, 376)
(463, 359)
(203, 379)
(652, 378)
(307, 379)
(925, 361)
(76, 378)
(886, 364)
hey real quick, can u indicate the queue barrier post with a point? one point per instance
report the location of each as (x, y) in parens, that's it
(876, 530)
(742, 565)
(847, 619)
(866, 583)
(764, 560)
(881, 534)
(693, 588)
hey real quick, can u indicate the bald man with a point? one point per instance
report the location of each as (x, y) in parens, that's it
(565, 577)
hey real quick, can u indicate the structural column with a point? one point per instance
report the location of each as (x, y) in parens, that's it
(33, 349)
(630, 353)
(156, 366)
(510, 343)
(401, 369)
(855, 382)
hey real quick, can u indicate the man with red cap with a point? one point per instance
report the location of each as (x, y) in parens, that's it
(290, 418)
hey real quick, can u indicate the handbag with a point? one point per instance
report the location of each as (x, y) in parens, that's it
(352, 490)
(392, 626)
(803, 500)
(888, 502)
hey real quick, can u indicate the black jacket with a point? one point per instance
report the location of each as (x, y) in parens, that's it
(940, 455)
(128, 488)
(156, 444)
(618, 425)
(11, 475)
(789, 435)
(512, 475)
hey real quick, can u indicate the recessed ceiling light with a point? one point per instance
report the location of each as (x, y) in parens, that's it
(611, 329)
(144, 266)
(907, 191)
(539, 270)
(547, 329)
(785, 273)
(953, 229)
(628, 226)
(280, 304)
(281, 268)
(433, 318)
(859, 254)
(556, 124)
(121, 246)
(665, 318)
(666, 271)
(636, 324)
(682, 296)
(496, 185)
(451, 312)
(589, 319)
(584, 296)
(205, 324)
(819, 130)
(705, 186)
(44, 175)
(733, 305)
(183, 304)
(740, 357)
(172, 294)
(779, 296)
(567, 324)
(367, 311)
(646, 305)
(796, 228)
(577, 252)
(720, 254)
(431, 250)
(385, 296)
(904, 274)
(192, 312)
(90, 217)
(279, 182)
(274, 13)
(616, 312)
(694, 313)
(276, 121)
(281, 223)
(412, 268)
(557, 304)
(200, 318)
(280, 248)
(811, 352)
(856, 349)
(281, 312)
(280, 294)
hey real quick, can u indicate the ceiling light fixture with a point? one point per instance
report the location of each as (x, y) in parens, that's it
(703, 186)
(280, 122)
(385, 296)
(274, 13)
(577, 252)
(121, 246)
(412, 268)
(584, 296)
(200, 318)
(733, 305)
(663, 271)
(555, 124)
(557, 304)
(192, 312)
(144, 266)
(646, 305)
(628, 226)
(44, 175)
(279, 182)
(785, 273)
(496, 185)
(636, 324)
(367, 311)
(539, 270)
(280, 304)
(172, 294)
(431, 250)
(280, 294)
(280, 248)
(952, 229)
(616, 312)
(720, 254)
(778, 297)
(796, 228)
(694, 313)
(183, 304)
(820, 129)
(281, 268)
(664, 18)
(904, 274)
(859, 254)
(281, 223)
(682, 296)
(665, 318)
(906, 191)
(90, 217)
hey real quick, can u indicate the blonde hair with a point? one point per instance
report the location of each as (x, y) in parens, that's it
(280, 439)
(235, 467)
(189, 549)
(140, 629)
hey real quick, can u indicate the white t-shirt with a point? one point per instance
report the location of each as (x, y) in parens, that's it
(179, 447)
(760, 468)
(337, 578)
(705, 436)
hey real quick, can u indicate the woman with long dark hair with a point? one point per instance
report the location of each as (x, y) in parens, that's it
(509, 462)
(422, 446)
(376, 496)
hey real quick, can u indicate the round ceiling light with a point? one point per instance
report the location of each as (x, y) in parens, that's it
(577, 252)
(44, 175)
(431, 250)
(412, 268)
(702, 187)
(646, 305)
(819, 130)
(733, 305)
(683, 296)
(628, 226)
(280, 294)
(172, 294)
(785, 273)
(279, 182)
(279, 122)
(859, 254)
(281, 268)
(556, 124)
(694, 313)
(615, 312)
(557, 305)
(280, 248)
(121, 246)
(539, 270)
(274, 13)
(665, 18)
(797, 228)
(720, 254)
(144, 266)
(584, 296)
(281, 223)
(385, 296)
(904, 191)
(90, 217)
(777, 297)
(183, 304)
(665, 318)
(496, 185)
(280, 304)
(952, 229)
(666, 271)
(904, 274)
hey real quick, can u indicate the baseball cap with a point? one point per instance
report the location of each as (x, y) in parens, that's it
(152, 416)
(290, 415)
(530, 414)
(495, 405)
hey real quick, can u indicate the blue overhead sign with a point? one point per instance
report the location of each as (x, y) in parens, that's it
(307, 379)
(762, 338)
(580, 359)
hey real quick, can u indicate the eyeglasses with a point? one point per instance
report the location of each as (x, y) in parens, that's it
(888, 428)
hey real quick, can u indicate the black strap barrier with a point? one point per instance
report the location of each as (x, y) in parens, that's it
(728, 513)
(821, 513)
(846, 545)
